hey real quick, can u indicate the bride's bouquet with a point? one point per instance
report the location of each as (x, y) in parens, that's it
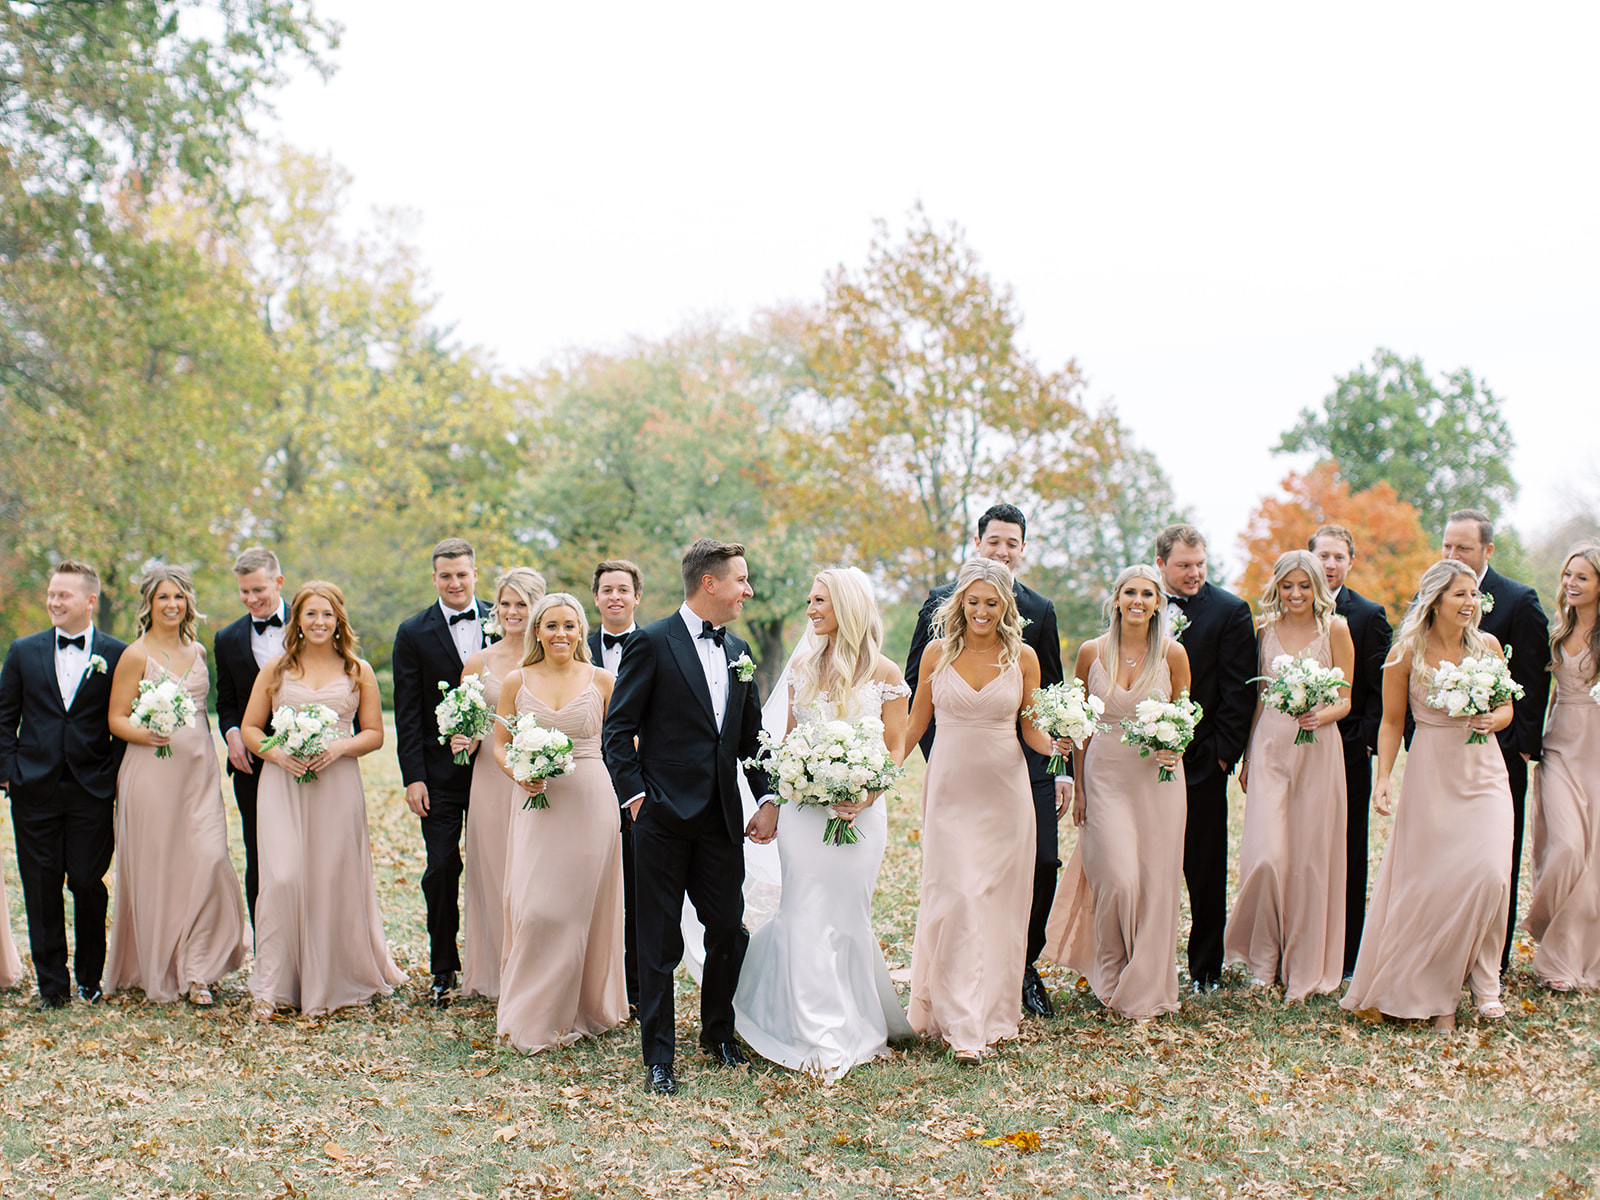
(1476, 686)
(1297, 686)
(163, 708)
(304, 732)
(1159, 724)
(823, 763)
(463, 710)
(1065, 710)
(536, 753)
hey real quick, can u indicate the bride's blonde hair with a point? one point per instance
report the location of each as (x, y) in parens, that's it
(835, 666)
(950, 622)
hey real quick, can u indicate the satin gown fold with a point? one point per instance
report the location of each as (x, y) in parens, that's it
(1287, 922)
(1439, 907)
(562, 977)
(814, 992)
(978, 841)
(10, 960)
(1564, 910)
(320, 944)
(1115, 916)
(488, 832)
(177, 915)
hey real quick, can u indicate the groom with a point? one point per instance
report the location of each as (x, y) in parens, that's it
(681, 720)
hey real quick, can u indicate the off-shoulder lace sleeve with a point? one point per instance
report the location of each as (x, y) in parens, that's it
(891, 691)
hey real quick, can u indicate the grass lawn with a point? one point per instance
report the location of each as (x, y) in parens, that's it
(1234, 1096)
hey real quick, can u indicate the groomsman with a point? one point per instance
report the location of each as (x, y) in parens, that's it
(242, 649)
(618, 587)
(1220, 638)
(1369, 629)
(1002, 536)
(430, 649)
(1512, 616)
(58, 764)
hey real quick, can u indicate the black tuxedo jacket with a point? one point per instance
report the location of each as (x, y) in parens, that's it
(594, 647)
(40, 739)
(425, 655)
(682, 762)
(1369, 630)
(1220, 641)
(1518, 622)
(1038, 631)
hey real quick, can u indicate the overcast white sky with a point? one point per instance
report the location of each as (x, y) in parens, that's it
(1214, 209)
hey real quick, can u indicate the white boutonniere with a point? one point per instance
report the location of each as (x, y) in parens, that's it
(1176, 625)
(744, 668)
(491, 629)
(97, 664)
(1486, 602)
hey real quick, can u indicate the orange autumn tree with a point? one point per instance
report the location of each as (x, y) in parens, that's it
(1392, 550)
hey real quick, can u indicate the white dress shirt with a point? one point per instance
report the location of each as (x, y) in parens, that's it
(268, 645)
(715, 661)
(611, 656)
(72, 663)
(467, 635)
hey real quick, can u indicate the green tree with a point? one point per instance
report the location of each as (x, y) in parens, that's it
(1440, 445)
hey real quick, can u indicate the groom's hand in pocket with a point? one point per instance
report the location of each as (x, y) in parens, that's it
(763, 827)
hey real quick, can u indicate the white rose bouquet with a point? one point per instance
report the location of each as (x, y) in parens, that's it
(463, 710)
(1159, 724)
(536, 753)
(1594, 693)
(1476, 686)
(826, 763)
(1065, 710)
(163, 708)
(304, 732)
(1297, 686)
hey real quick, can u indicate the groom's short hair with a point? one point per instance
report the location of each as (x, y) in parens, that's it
(72, 566)
(257, 558)
(453, 548)
(707, 557)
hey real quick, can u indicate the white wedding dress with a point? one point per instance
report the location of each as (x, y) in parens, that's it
(814, 993)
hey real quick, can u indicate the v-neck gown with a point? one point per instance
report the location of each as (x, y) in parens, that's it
(483, 925)
(319, 932)
(978, 842)
(177, 915)
(562, 975)
(1115, 916)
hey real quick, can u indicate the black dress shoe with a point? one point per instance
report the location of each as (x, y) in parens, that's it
(660, 1080)
(90, 995)
(55, 1000)
(1035, 997)
(444, 983)
(1205, 986)
(726, 1054)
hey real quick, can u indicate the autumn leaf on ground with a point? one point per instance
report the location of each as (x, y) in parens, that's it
(1025, 1140)
(336, 1152)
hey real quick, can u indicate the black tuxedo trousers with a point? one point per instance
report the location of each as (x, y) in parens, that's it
(69, 836)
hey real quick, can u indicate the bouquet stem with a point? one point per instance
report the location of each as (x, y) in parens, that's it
(1306, 737)
(461, 758)
(308, 777)
(1164, 775)
(536, 801)
(1057, 765)
(163, 751)
(840, 833)
(1477, 739)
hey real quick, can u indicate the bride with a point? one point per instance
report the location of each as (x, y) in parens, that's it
(814, 992)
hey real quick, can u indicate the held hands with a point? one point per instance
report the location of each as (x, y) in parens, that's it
(1166, 758)
(1244, 775)
(238, 756)
(155, 739)
(635, 805)
(763, 827)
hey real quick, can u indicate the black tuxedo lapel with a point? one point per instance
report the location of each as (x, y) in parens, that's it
(47, 672)
(436, 619)
(594, 649)
(683, 653)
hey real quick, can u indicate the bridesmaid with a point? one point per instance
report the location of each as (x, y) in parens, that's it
(1288, 920)
(978, 834)
(177, 921)
(489, 804)
(319, 934)
(1115, 917)
(562, 976)
(1439, 906)
(1564, 912)
(10, 960)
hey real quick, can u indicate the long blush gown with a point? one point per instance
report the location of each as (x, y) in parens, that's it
(10, 960)
(1564, 912)
(488, 829)
(977, 868)
(319, 935)
(814, 992)
(1288, 919)
(177, 914)
(562, 978)
(1439, 906)
(1115, 916)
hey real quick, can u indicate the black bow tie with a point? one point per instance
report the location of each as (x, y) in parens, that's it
(469, 615)
(1180, 601)
(708, 630)
(609, 640)
(63, 641)
(275, 620)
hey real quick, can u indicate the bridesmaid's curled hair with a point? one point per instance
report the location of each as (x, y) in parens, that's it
(533, 648)
(1412, 640)
(950, 622)
(1567, 616)
(294, 636)
(1321, 597)
(180, 579)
